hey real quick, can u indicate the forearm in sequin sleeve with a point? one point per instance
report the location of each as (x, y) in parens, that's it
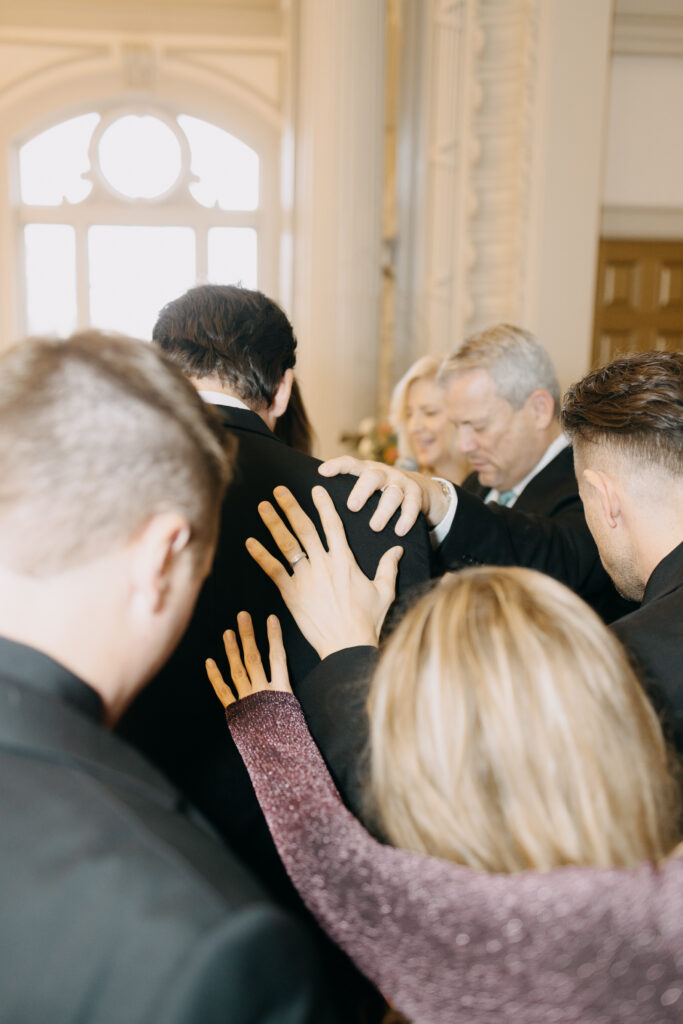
(445, 943)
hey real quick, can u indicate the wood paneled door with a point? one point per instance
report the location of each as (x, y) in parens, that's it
(639, 298)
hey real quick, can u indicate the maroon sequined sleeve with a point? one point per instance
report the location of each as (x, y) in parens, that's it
(446, 944)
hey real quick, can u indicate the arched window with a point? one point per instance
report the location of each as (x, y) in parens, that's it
(120, 211)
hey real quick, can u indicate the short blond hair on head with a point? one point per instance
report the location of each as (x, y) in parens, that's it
(514, 358)
(508, 732)
(99, 433)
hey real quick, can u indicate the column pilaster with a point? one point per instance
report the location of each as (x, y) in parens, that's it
(338, 127)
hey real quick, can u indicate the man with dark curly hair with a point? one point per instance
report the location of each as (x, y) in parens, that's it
(625, 421)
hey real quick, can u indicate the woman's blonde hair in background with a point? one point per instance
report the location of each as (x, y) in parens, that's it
(425, 368)
(508, 732)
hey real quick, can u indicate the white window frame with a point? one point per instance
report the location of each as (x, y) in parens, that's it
(176, 207)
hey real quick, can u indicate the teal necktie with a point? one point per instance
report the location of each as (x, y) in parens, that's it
(505, 497)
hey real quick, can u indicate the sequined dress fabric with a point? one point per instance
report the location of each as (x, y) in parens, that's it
(449, 945)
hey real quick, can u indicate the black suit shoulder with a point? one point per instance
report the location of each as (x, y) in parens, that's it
(553, 491)
(550, 492)
(115, 905)
(654, 636)
(179, 699)
(545, 530)
(335, 695)
(177, 720)
(263, 461)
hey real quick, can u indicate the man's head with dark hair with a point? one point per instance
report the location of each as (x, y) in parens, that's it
(626, 424)
(633, 406)
(238, 337)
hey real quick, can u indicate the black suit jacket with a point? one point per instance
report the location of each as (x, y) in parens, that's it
(545, 530)
(115, 905)
(654, 635)
(549, 493)
(177, 720)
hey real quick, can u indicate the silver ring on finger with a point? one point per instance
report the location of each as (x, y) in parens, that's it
(297, 558)
(389, 486)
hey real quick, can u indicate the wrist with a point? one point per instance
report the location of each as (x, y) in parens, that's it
(361, 638)
(436, 501)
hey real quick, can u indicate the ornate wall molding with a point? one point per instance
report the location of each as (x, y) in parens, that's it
(453, 40)
(499, 202)
(651, 34)
(252, 71)
(26, 64)
(479, 92)
(506, 73)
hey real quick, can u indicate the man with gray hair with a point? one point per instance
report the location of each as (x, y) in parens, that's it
(504, 399)
(503, 396)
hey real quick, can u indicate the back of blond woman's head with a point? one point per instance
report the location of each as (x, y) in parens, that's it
(508, 732)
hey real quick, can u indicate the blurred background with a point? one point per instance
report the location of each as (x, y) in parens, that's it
(396, 173)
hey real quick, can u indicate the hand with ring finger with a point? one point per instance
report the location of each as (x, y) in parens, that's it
(294, 561)
(412, 493)
(247, 673)
(331, 599)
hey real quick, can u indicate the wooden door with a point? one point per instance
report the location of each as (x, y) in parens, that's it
(639, 298)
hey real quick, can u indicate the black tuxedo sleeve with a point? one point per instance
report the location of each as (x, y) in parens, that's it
(258, 966)
(560, 545)
(333, 697)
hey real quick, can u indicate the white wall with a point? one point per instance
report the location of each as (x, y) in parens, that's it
(645, 136)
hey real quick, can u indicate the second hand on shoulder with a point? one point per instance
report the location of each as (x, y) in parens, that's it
(411, 492)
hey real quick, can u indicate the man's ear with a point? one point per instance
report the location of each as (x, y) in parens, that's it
(542, 406)
(155, 552)
(284, 390)
(607, 493)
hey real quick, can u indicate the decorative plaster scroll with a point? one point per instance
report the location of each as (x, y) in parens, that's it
(482, 71)
(139, 66)
(506, 71)
(451, 95)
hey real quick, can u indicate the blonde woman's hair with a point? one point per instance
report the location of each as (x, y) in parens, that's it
(508, 732)
(424, 369)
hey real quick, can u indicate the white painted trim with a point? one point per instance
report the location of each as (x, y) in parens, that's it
(648, 35)
(644, 222)
(129, 16)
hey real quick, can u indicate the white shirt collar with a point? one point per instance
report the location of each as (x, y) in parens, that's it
(218, 398)
(551, 452)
